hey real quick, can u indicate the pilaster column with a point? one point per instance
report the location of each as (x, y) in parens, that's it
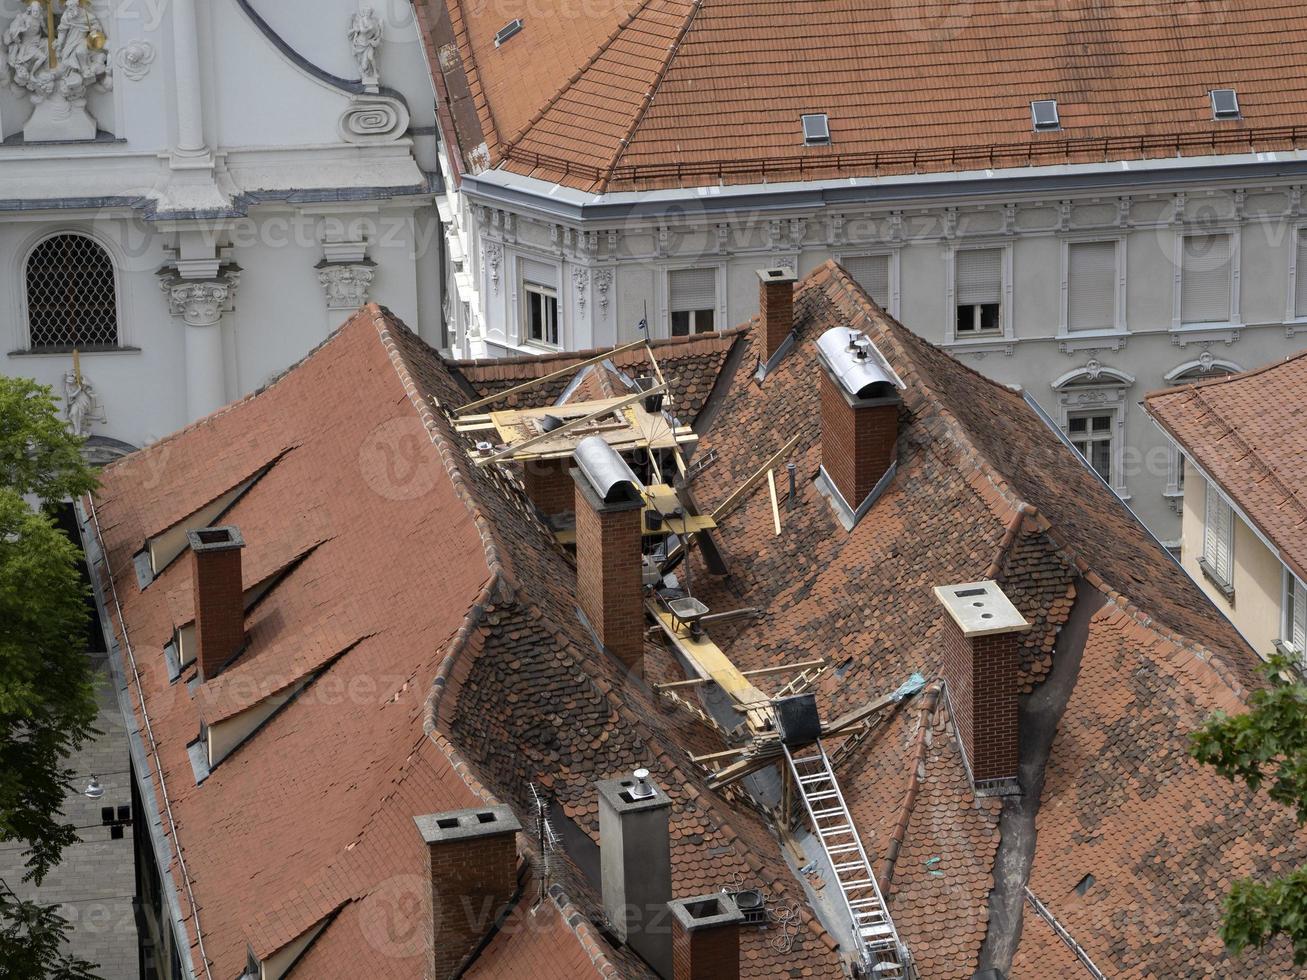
(189, 88)
(200, 303)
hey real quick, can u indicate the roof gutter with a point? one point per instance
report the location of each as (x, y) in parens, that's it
(555, 201)
(164, 853)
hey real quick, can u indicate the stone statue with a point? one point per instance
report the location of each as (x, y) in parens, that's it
(58, 72)
(26, 47)
(365, 36)
(80, 403)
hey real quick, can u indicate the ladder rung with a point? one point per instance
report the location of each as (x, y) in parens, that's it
(850, 864)
(832, 831)
(857, 902)
(828, 795)
(835, 811)
(841, 848)
(863, 883)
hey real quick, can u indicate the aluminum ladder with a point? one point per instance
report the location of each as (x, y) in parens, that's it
(883, 954)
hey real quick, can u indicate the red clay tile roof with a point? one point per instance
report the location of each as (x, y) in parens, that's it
(634, 95)
(1249, 433)
(983, 488)
(336, 776)
(490, 683)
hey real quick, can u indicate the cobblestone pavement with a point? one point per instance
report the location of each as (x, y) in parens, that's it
(94, 883)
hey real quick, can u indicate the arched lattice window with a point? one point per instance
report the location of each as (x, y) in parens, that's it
(71, 300)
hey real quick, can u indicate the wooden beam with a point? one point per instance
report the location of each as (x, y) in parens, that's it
(571, 368)
(566, 427)
(736, 498)
(775, 509)
(857, 715)
(760, 672)
(658, 373)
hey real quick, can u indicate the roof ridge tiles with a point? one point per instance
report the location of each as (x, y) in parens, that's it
(650, 93)
(576, 75)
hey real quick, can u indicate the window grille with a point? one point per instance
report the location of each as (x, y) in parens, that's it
(1205, 279)
(1091, 286)
(71, 299)
(871, 272)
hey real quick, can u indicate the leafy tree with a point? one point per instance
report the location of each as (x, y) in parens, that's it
(47, 704)
(1267, 745)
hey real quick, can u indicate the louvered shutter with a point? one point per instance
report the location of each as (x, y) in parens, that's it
(871, 272)
(1300, 281)
(979, 276)
(692, 289)
(1218, 535)
(1205, 279)
(1091, 286)
(540, 273)
(1299, 626)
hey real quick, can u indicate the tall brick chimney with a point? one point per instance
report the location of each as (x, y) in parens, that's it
(635, 857)
(548, 484)
(706, 938)
(859, 414)
(980, 670)
(609, 590)
(776, 307)
(472, 857)
(219, 597)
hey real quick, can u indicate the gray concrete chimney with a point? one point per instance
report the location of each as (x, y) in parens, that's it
(636, 865)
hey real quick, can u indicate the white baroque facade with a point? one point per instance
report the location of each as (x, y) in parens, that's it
(193, 194)
(1090, 284)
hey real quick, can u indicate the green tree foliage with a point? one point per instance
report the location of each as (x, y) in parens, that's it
(1265, 747)
(47, 704)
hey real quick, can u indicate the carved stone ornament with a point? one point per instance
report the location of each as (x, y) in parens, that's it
(370, 119)
(57, 60)
(581, 279)
(135, 58)
(494, 258)
(201, 302)
(346, 285)
(603, 279)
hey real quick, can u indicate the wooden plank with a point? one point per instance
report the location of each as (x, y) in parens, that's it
(707, 659)
(857, 716)
(658, 373)
(736, 498)
(775, 509)
(570, 369)
(566, 427)
(760, 672)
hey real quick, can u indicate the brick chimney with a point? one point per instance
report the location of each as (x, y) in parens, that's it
(609, 589)
(859, 414)
(979, 642)
(549, 485)
(219, 597)
(472, 857)
(706, 938)
(635, 858)
(776, 307)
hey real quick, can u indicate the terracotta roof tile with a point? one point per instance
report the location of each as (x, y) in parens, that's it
(1249, 433)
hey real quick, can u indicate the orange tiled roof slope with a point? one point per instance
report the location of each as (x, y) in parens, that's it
(659, 93)
(1249, 433)
(420, 600)
(690, 365)
(985, 489)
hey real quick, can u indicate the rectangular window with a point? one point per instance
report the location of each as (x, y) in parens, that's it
(1294, 631)
(871, 272)
(979, 284)
(1091, 434)
(540, 292)
(1091, 279)
(1300, 276)
(692, 300)
(1205, 279)
(1218, 540)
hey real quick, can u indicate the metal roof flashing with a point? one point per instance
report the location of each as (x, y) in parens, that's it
(981, 609)
(605, 472)
(860, 369)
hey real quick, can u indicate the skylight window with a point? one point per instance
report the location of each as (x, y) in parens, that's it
(1225, 103)
(507, 31)
(1043, 113)
(816, 130)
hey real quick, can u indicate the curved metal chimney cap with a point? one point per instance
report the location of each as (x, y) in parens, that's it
(867, 376)
(606, 471)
